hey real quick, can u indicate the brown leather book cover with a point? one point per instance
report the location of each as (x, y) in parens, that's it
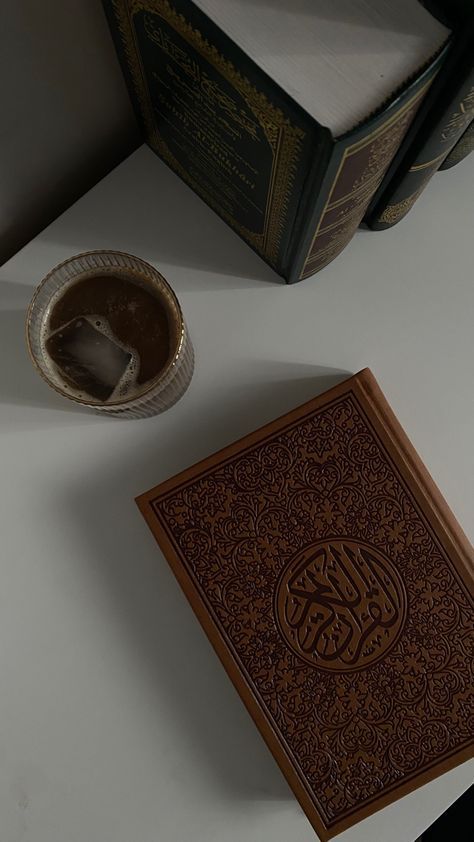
(337, 589)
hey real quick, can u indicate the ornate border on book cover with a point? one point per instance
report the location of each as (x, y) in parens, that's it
(394, 213)
(463, 147)
(361, 169)
(421, 171)
(335, 586)
(284, 138)
(459, 119)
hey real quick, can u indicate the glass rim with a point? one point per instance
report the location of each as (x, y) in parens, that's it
(124, 402)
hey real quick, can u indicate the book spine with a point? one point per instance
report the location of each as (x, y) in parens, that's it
(398, 201)
(449, 108)
(215, 118)
(357, 166)
(461, 150)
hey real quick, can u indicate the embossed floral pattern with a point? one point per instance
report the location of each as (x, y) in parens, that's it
(340, 605)
(237, 527)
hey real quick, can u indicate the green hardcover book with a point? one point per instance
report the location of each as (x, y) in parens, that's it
(441, 122)
(461, 150)
(283, 117)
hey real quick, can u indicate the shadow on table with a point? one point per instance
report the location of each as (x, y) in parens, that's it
(170, 651)
(161, 220)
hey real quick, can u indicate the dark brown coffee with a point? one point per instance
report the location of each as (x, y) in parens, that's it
(109, 335)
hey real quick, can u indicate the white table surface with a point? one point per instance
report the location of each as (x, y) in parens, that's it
(117, 721)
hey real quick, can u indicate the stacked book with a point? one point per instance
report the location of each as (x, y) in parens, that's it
(297, 121)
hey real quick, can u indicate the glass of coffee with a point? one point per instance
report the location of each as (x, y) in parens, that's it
(105, 330)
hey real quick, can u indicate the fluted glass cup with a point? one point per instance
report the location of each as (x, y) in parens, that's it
(170, 383)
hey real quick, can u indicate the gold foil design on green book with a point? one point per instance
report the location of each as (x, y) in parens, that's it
(456, 124)
(459, 119)
(463, 147)
(434, 163)
(361, 169)
(283, 138)
(393, 213)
